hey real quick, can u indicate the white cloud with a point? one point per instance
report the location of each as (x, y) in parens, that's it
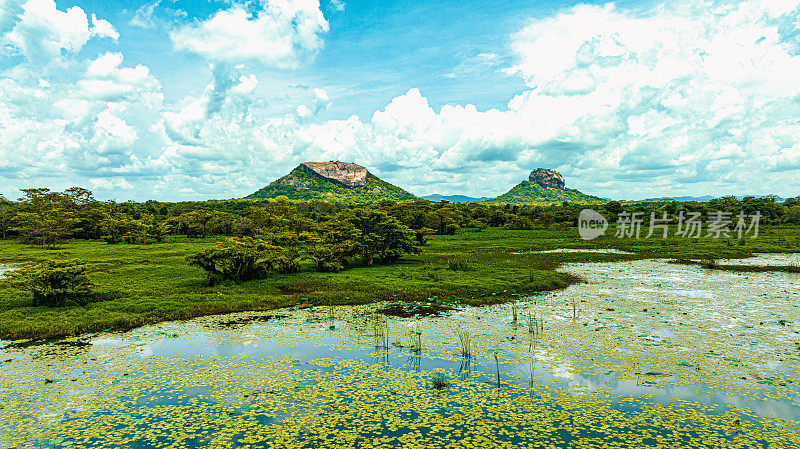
(476, 65)
(103, 28)
(112, 133)
(282, 35)
(321, 100)
(304, 112)
(144, 16)
(100, 125)
(105, 80)
(110, 184)
(336, 5)
(641, 94)
(41, 31)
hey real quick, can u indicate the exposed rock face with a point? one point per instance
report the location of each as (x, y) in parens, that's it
(345, 173)
(549, 179)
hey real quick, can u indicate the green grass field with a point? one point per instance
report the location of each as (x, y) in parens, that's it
(152, 283)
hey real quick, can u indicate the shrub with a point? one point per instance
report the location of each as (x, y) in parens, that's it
(54, 283)
(458, 266)
(709, 263)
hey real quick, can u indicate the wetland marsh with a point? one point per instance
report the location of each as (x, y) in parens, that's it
(653, 354)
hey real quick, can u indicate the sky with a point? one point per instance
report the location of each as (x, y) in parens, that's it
(190, 100)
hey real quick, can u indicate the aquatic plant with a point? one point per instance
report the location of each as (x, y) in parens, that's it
(380, 333)
(514, 312)
(439, 380)
(465, 340)
(414, 334)
(574, 309)
(497, 367)
(535, 325)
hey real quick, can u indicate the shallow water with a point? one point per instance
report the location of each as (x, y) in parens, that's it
(4, 268)
(776, 259)
(657, 353)
(577, 250)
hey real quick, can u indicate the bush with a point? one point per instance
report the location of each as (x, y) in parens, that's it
(237, 259)
(54, 283)
(709, 263)
(458, 266)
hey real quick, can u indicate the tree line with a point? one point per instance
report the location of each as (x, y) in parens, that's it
(48, 218)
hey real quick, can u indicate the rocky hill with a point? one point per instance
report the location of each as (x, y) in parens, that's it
(544, 187)
(335, 181)
(346, 173)
(549, 179)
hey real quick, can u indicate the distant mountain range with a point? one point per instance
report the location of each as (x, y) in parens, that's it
(454, 198)
(701, 199)
(704, 198)
(350, 182)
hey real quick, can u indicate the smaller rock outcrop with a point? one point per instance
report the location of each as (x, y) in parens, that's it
(549, 179)
(345, 173)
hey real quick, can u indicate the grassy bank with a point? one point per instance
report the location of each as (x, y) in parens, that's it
(145, 284)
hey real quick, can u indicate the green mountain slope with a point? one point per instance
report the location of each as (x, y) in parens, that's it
(528, 192)
(302, 184)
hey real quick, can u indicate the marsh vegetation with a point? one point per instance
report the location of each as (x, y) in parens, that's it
(429, 313)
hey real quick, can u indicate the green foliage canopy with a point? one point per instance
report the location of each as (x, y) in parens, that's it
(54, 282)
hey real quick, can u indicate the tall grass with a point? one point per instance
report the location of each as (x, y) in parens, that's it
(497, 366)
(574, 309)
(380, 332)
(414, 334)
(535, 325)
(465, 340)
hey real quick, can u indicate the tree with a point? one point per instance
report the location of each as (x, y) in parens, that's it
(793, 215)
(334, 246)
(54, 282)
(6, 214)
(202, 223)
(236, 259)
(444, 221)
(519, 222)
(116, 229)
(546, 218)
(791, 202)
(382, 237)
(44, 218)
(421, 235)
(288, 253)
(614, 207)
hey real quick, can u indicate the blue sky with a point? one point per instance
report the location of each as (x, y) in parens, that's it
(192, 100)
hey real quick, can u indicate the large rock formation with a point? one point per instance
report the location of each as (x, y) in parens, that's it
(549, 179)
(345, 173)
